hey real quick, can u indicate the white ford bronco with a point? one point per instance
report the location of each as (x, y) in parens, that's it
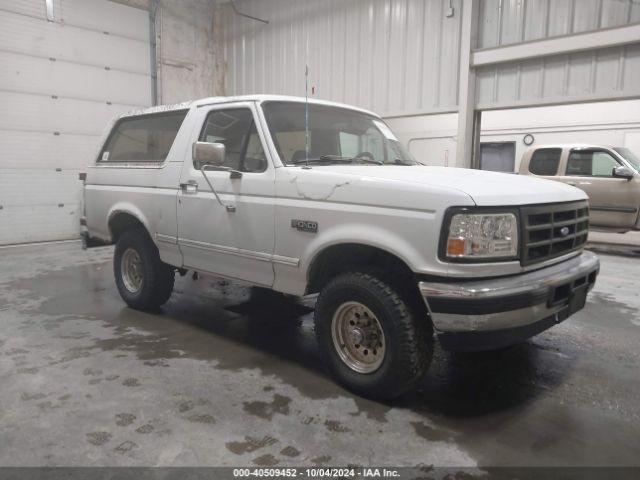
(320, 198)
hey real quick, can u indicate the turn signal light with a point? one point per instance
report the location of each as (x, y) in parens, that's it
(455, 247)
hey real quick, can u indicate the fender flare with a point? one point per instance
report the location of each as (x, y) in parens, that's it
(131, 210)
(405, 252)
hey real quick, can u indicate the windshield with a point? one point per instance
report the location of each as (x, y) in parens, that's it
(336, 136)
(629, 157)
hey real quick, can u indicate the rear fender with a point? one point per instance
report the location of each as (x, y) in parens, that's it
(131, 210)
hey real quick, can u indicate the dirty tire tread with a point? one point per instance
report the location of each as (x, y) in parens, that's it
(159, 277)
(408, 334)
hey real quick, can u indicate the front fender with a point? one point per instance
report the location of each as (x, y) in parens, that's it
(363, 234)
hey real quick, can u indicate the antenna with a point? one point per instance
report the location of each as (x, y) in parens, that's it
(306, 114)
(306, 102)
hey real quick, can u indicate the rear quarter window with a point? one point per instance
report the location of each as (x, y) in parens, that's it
(146, 138)
(545, 161)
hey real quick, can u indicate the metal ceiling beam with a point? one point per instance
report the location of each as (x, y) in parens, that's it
(610, 37)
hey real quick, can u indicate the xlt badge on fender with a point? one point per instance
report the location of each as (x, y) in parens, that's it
(305, 225)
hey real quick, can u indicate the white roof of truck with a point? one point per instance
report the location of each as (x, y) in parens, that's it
(240, 98)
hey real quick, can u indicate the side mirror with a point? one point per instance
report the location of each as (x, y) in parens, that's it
(207, 153)
(622, 172)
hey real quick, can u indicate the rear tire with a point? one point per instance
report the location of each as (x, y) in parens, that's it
(373, 341)
(144, 281)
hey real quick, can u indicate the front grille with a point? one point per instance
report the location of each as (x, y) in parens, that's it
(553, 230)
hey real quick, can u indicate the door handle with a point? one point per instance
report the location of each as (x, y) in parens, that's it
(190, 187)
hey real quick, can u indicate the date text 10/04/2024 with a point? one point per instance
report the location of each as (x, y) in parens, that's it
(319, 472)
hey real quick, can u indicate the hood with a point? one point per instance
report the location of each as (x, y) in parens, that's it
(485, 188)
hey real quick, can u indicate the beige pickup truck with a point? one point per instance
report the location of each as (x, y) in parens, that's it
(610, 176)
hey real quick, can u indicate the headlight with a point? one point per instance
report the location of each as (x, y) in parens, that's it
(482, 236)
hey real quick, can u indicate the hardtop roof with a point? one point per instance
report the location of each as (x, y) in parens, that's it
(239, 98)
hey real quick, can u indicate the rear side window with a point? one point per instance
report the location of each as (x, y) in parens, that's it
(146, 138)
(545, 161)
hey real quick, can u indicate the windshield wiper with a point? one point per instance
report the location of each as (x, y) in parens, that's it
(398, 161)
(323, 159)
(338, 159)
(352, 159)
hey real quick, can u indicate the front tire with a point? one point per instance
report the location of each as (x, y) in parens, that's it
(373, 341)
(143, 280)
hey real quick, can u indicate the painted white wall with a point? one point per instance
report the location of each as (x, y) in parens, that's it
(432, 138)
(186, 51)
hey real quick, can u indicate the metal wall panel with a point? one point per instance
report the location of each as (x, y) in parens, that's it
(72, 80)
(23, 111)
(31, 8)
(505, 22)
(41, 150)
(45, 187)
(105, 17)
(612, 73)
(33, 223)
(61, 82)
(35, 37)
(110, 18)
(391, 56)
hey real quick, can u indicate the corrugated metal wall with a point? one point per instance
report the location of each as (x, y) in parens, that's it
(602, 74)
(400, 57)
(391, 56)
(506, 22)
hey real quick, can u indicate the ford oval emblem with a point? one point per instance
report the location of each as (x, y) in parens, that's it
(564, 231)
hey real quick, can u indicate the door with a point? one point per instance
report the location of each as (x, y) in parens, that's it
(614, 201)
(62, 78)
(232, 235)
(498, 156)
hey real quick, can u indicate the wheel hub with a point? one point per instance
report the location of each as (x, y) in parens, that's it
(131, 270)
(358, 337)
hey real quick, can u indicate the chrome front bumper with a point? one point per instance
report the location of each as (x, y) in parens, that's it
(500, 311)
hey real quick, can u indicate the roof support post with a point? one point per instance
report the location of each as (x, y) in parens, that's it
(468, 120)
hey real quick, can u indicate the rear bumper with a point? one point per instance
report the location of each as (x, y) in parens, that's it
(491, 313)
(88, 241)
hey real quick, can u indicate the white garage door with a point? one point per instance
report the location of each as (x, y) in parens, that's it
(61, 81)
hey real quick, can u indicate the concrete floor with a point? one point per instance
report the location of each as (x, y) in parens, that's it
(221, 377)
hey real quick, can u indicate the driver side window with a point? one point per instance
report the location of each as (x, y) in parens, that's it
(373, 142)
(236, 130)
(349, 144)
(591, 164)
